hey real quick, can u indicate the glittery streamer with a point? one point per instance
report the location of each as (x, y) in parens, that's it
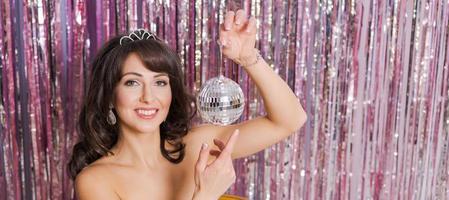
(373, 77)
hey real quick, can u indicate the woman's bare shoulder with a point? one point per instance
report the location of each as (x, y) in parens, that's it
(95, 168)
(93, 182)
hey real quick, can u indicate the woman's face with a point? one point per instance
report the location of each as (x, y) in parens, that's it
(142, 97)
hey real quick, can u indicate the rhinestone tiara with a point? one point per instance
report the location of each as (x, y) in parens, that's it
(139, 34)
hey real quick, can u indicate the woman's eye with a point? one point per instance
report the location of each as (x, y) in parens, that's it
(131, 83)
(161, 83)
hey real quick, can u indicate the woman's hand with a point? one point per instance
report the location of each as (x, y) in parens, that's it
(213, 180)
(238, 37)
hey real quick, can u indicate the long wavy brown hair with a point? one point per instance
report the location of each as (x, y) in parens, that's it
(96, 136)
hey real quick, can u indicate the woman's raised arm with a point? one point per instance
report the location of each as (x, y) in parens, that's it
(285, 114)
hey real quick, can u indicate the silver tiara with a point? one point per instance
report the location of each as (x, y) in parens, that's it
(139, 34)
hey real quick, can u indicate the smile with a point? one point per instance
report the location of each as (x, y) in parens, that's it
(146, 113)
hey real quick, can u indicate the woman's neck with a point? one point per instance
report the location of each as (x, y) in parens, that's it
(138, 149)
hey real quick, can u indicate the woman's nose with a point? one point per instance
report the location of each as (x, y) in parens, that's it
(147, 95)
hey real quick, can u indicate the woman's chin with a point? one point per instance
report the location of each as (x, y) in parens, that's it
(147, 129)
(144, 128)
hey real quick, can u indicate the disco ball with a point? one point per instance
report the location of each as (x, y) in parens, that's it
(220, 101)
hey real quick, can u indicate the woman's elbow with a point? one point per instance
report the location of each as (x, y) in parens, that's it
(300, 122)
(297, 122)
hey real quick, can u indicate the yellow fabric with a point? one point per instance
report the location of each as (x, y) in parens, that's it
(231, 197)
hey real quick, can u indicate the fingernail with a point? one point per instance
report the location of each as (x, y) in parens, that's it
(204, 146)
(237, 22)
(227, 28)
(223, 43)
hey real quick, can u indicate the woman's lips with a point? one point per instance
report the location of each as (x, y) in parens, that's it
(146, 113)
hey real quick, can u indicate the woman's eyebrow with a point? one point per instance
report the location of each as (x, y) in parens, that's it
(132, 73)
(160, 74)
(140, 75)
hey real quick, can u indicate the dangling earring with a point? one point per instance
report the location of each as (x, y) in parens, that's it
(111, 117)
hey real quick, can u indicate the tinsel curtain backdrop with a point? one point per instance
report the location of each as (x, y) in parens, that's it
(372, 75)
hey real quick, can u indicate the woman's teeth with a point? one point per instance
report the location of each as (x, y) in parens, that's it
(146, 112)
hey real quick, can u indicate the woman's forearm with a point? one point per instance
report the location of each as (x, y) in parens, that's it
(281, 104)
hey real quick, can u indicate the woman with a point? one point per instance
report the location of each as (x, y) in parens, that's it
(136, 141)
